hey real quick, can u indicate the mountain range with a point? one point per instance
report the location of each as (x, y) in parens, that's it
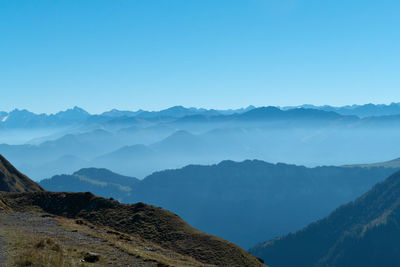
(362, 111)
(140, 143)
(24, 118)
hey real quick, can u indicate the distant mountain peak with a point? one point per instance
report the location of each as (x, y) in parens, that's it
(74, 110)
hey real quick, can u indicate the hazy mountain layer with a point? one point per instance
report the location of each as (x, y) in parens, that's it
(137, 146)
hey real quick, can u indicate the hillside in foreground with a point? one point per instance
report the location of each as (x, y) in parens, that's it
(361, 233)
(11, 180)
(149, 234)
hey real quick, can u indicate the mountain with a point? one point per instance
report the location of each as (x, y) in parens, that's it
(179, 143)
(250, 192)
(26, 119)
(395, 163)
(50, 150)
(319, 138)
(177, 112)
(11, 180)
(233, 111)
(302, 136)
(77, 117)
(114, 113)
(361, 233)
(174, 112)
(63, 164)
(274, 113)
(98, 181)
(138, 160)
(23, 119)
(245, 202)
(362, 111)
(269, 113)
(62, 155)
(73, 115)
(176, 150)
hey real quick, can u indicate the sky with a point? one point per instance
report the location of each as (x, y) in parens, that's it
(153, 54)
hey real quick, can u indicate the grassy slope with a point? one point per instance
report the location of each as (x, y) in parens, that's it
(11, 180)
(37, 240)
(153, 224)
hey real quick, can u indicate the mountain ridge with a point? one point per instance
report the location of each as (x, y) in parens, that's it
(11, 180)
(246, 192)
(363, 232)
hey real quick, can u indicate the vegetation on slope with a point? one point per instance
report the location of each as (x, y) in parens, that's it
(362, 233)
(11, 180)
(35, 239)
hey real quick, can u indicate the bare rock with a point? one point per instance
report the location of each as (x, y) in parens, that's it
(91, 257)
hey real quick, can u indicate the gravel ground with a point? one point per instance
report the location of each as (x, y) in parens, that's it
(3, 252)
(3, 245)
(47, 226)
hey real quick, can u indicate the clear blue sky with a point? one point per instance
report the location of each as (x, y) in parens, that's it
(153, 54)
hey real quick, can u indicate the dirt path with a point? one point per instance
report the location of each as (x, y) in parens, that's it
(3, 252)
(45, 226)
(3, 246)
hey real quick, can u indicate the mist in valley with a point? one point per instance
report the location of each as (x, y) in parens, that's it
(140, 145)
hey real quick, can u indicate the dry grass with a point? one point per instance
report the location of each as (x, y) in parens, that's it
(132, 244)
(168, 236)
(37, 251)
(52, 247)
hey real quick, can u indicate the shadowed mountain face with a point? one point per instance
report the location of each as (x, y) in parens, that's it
(11, 180)
(365, 232)
(246, 202)
(98, 181)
